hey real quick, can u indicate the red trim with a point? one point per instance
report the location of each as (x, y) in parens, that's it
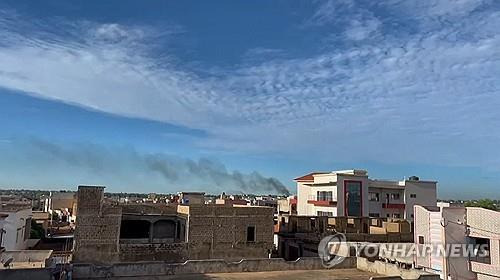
(322, 202)
(293, 201)
(360, 195)
(308, 177)
(393, 205)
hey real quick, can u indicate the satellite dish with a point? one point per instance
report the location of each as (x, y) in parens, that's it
(8, 262)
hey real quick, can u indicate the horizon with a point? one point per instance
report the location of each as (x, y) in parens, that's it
(239, 97)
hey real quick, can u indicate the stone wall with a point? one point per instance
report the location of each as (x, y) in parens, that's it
(158, 270)
(174, 252)
(218, 231)
(97, 230)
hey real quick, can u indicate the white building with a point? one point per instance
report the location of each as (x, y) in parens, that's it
(459, 225)
(352, 193)
(15, 224)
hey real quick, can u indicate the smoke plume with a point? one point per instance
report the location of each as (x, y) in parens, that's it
(125, 166)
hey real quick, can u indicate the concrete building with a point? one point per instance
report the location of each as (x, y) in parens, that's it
(299, 236)
(111, 232)
(190, 198)
(459, 225)
(62, 203)
(15, 222)
(353, 193)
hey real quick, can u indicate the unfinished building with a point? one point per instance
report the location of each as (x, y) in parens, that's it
(108, 232)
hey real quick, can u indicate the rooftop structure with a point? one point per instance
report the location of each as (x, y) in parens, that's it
(459, 225)
(112, 232)
(353, 193)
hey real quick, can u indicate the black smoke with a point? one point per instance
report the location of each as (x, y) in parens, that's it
(179, 173)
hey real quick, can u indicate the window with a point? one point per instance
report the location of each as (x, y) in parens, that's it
(352, 198)
(413, 195)
(324, 196)
(394, 195)
(374, 196)
(251, 234)
(396, 215)
(420, 239)
(481, 252)
(323, 213)
(375, 215)
(388, 215)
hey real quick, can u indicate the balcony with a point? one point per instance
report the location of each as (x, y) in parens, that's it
(393, 205)
(327, 203)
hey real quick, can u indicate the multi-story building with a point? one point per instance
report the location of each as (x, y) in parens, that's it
(112, 232)
(446, 226)
(15, 216)
(353, 193)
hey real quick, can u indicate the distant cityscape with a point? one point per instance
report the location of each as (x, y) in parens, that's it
(74, 232)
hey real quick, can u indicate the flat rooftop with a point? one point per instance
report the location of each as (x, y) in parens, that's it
(345, 274)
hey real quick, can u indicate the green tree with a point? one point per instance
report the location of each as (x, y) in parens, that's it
(484, 203)
(37, 231)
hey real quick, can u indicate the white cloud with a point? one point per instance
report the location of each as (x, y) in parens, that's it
(428, 97)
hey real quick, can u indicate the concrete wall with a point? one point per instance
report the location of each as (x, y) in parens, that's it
(390, 270)
(16, 235)
(157, 270)
(485, 223)
(425, 192)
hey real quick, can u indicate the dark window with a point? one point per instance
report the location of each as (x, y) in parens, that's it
(251, 234)
(420, 239)
(352, 199)
(374, 196)
(394, 195)
(324, 196)
(134, 229)
(413, 195)
(323, 213)
(481, 251)
(375, 215)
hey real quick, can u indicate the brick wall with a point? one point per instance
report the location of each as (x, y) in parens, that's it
(221, 232)
(97, 227)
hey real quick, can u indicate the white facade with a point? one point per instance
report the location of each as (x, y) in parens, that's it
(16, 229)
(328, 194)
(459, 225)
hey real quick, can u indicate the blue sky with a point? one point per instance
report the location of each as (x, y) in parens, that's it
(173, 95)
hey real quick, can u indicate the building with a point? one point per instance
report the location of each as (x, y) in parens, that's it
(61, 203)
(192, 198)
(353, 193)
(109, 232)
(15, 220)
(459, 225)
(287, 205)
(299, 236)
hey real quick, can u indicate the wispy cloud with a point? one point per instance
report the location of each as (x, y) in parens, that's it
(383, 91)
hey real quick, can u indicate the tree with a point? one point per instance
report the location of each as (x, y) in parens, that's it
(37, 231)
(484, 203)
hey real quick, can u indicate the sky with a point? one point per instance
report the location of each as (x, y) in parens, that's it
(244, 96)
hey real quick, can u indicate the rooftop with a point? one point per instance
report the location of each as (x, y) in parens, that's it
(332, 274)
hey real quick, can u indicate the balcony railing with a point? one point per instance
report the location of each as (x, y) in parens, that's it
(322, 202)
